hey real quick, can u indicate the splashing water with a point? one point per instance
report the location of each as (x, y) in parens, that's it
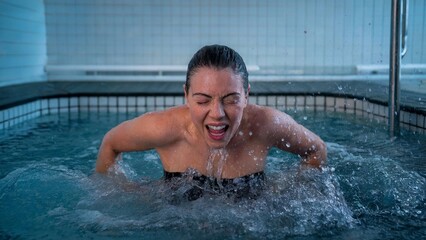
(373, 188)
(216, 159)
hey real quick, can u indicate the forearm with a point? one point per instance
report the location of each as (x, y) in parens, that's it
(106, 158)
(317, 157)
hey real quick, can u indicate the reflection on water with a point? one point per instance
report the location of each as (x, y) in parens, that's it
(369, 190)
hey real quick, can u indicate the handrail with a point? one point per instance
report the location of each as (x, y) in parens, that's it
(404, 27)
(394, 67)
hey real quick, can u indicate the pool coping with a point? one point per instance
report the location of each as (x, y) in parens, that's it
(374, 92)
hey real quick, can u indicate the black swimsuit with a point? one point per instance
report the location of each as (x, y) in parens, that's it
(196, 185)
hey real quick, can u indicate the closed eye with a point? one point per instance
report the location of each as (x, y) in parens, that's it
(201, 99)
(232, 99)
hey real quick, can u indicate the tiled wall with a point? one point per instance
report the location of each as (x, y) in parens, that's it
(327, 36)
(295, 36)
(22, 41)
(141, 104)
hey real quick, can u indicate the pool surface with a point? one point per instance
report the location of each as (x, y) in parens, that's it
(374, 187)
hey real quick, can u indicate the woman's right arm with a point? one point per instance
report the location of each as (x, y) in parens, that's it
(148, 131)
(108, 152)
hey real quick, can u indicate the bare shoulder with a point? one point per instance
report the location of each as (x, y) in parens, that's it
(169, 115)
(270, 124)
(266, 116)
(165, 124)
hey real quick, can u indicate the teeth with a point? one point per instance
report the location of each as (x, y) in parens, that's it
(217, 128)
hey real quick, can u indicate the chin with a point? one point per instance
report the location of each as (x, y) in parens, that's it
(216, 145)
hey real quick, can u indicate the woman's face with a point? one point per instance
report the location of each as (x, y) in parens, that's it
(216, 100)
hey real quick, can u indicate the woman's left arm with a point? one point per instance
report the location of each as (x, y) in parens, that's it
(288, 135)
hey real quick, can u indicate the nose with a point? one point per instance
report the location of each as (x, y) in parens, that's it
(217, 110)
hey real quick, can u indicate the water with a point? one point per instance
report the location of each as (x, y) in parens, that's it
(374, 187)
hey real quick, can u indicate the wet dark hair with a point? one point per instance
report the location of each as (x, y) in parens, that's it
(219, 57)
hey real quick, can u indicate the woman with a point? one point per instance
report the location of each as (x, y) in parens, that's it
(217, 132)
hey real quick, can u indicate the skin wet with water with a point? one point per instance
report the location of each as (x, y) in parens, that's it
(216, 115)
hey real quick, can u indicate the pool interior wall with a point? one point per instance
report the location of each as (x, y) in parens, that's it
(28, 101)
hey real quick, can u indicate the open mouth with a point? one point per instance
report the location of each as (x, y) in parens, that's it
(217, 132)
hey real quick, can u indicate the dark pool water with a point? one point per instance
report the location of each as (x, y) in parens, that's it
(374, 187)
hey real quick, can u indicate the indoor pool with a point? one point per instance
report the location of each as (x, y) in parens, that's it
(374, 187)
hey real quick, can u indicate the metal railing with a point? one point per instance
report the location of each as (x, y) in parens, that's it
(398, 48)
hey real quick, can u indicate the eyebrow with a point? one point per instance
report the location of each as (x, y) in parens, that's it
(208, 96)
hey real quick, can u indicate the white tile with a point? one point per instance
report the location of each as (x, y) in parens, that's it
(112, 109)
(179, 100)
(340, 104)
(367, 106)
(36, 106)
(413, 119)
(141, 109)
(103, 101)
(112, 101)
(83, 101)
(280, 101)
(122, 101)
(271, 101)
(141, 101)
(131, 109)
(383, 111)
(291, 102)
(93, 102)
(53, 110)
(405, 117)
(45, 111)
(310, 101)
(64, 103)
(159, 101)
(150, 101)
(169, 101)
(358, 104)
(131, 101)
(73, 102)
(44, 104)
(13, 113)
(330, 102)
(53, 103)
(350, 105)
(420, 120)
(300, 102)
(320, 101)
(261, 100)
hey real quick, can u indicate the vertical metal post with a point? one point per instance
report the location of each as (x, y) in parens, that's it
(394, 67)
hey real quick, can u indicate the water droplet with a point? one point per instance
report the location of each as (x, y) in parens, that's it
(251, 152)
(240, 133)
(305, 118)
(340, 88)
(288, 145)
(282, 139)
(250, 133)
